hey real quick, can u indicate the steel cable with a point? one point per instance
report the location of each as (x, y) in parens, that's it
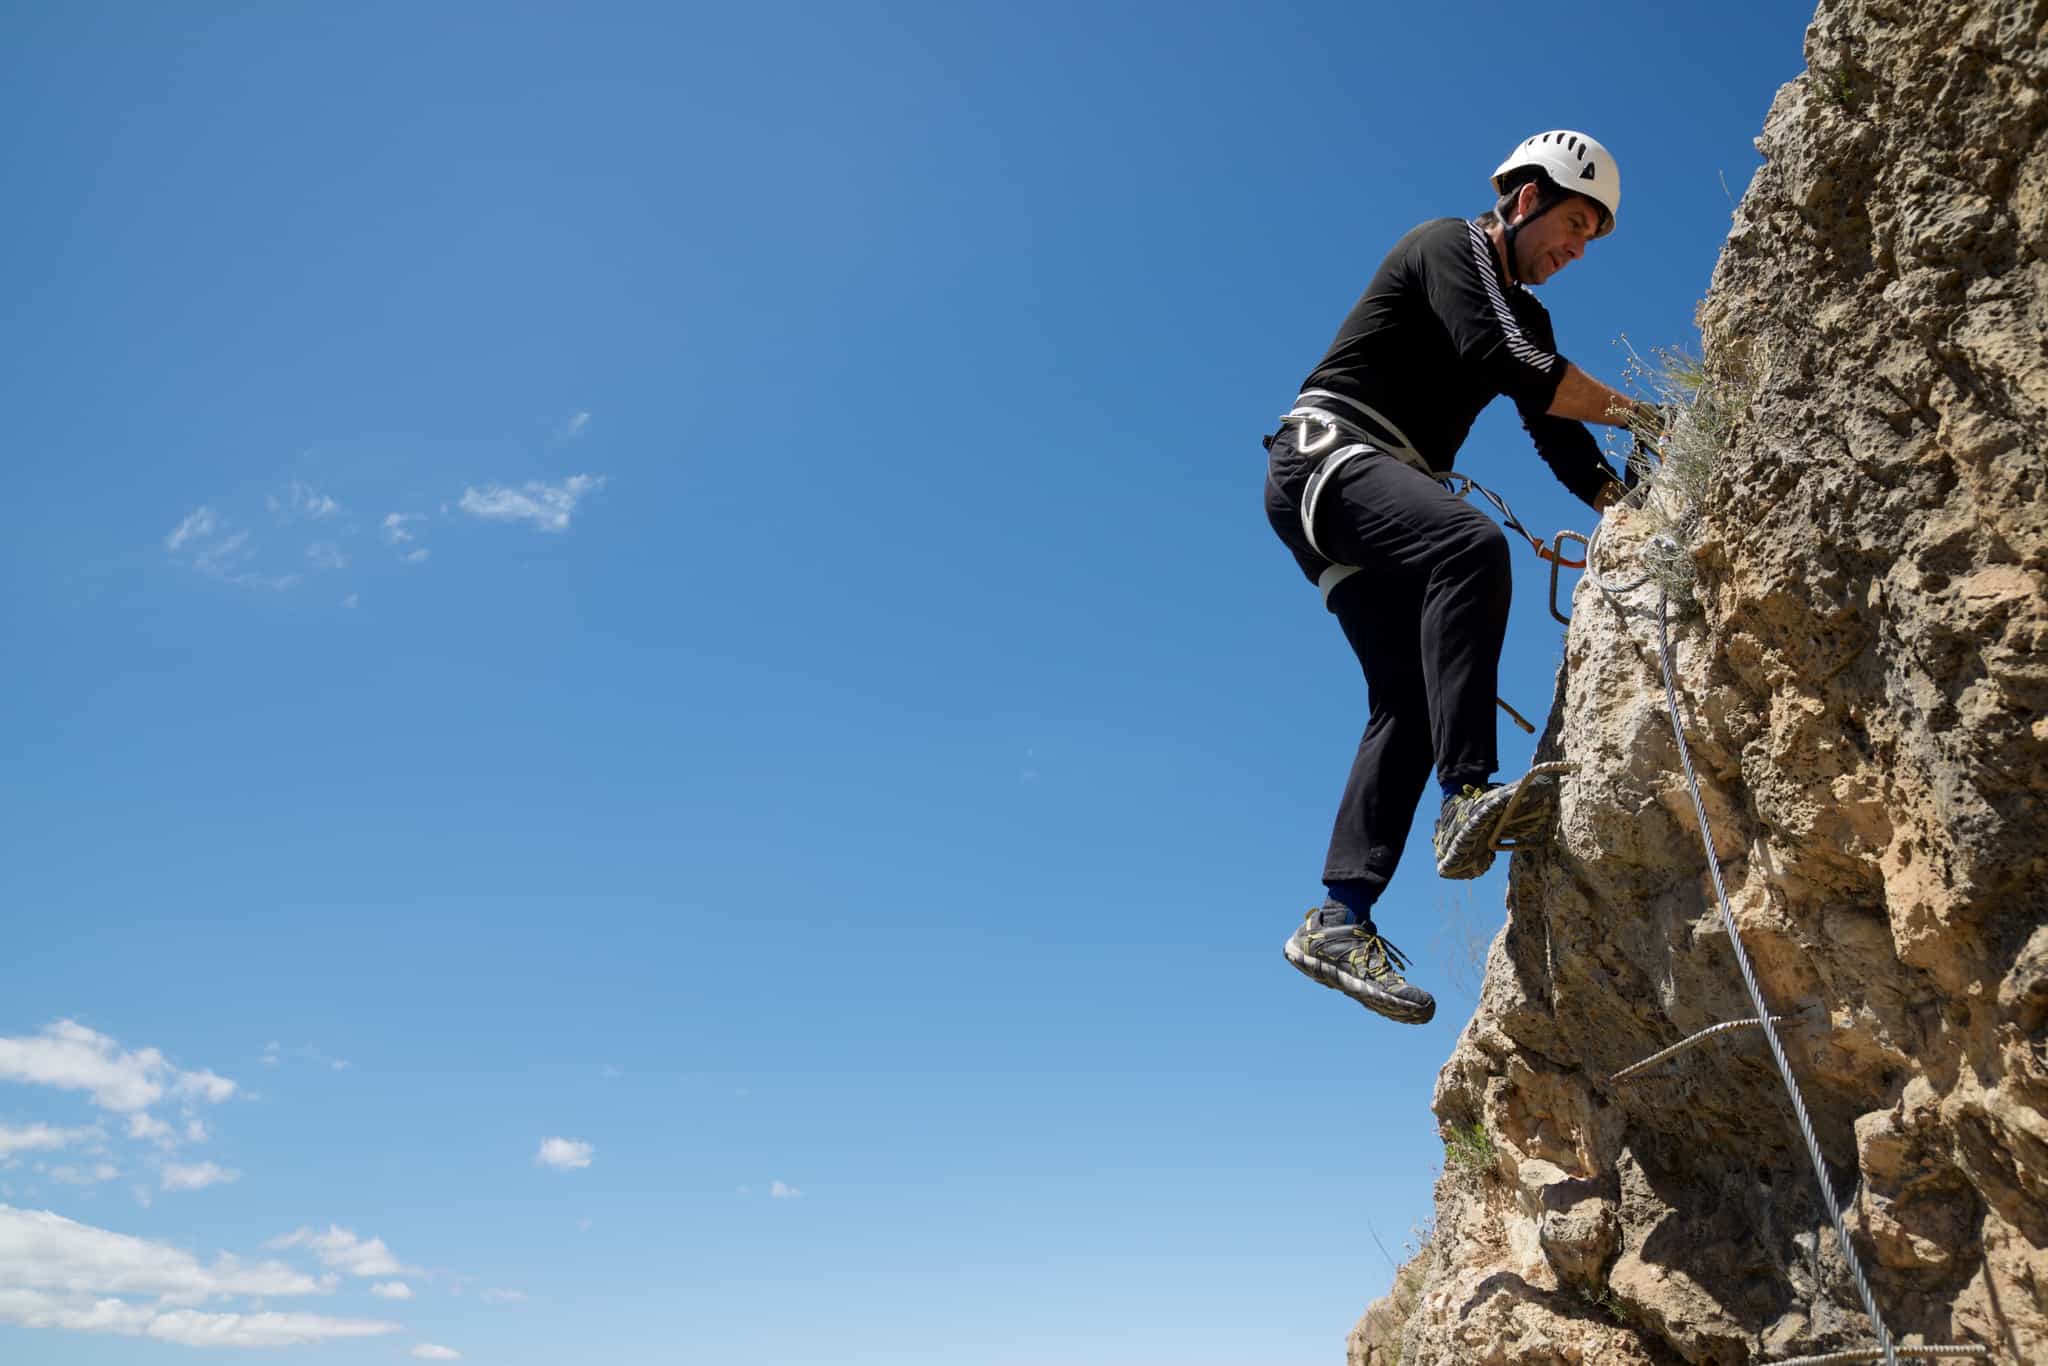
(1756, 999)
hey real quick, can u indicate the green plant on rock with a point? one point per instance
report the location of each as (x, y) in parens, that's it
(1693, 425)
(1603, 1298)
(1469, 1147)
(1836, 85)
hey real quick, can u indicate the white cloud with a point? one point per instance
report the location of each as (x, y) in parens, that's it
(302, 500)
(82, 1176)
(341, 1249)
(503, 1296)
(40, 1137)
(147, 1128)
(567, 1154)
(218, 557)
(271, 1049)
(419, 556)
(394, 526)
(72, 1057)
(44, 1251)
(188, 1327)
(576, 425)
(326, 555)
(547, 506)
(197, 527)
(198, 1176)
(391, 1290)
(195, 1130)
(778, 1191)
(351, 601)
(432, 1352)
(218, 552)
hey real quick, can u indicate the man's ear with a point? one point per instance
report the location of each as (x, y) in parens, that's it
(1526, 200)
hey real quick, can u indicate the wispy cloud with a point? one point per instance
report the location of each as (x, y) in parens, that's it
(326, 555)
(395, 526)
(58, 1273)
(391, 1290)
(495, 1296)
(352, 601)
(210, 546)
(565, 1154)
(145, 1127)
(81, 1176)
(188, 1327)
(198, 1176)
(272, 1050)
(778, 1191)
(341, 1249)
(434, 1352)
(40, 1138)
(71, 1057)
(197, 527)
(301, 501)
(576, 425)
(547, 506)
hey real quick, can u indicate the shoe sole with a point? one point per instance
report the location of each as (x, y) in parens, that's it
(1525, 812)
(1531, 812)
(1360, 989)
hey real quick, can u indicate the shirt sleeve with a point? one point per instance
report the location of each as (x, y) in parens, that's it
(1462, 277)
(1571, 452)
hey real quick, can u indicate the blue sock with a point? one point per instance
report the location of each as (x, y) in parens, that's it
(1355, 897)
(1453, 786)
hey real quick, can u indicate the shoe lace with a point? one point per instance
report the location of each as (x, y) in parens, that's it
(1378, 957)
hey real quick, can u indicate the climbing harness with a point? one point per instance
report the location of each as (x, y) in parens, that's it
(1885, 1350)
(1311, 410)
(1314, 409)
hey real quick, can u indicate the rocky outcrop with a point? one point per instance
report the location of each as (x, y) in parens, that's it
(1863, 679)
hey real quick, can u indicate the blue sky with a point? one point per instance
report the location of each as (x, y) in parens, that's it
(690, 582)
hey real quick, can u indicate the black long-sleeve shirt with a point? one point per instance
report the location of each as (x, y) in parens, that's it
(1438, 334)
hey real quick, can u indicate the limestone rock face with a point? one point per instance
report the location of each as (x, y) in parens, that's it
(1864, 686)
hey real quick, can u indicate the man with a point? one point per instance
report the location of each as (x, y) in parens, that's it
(1418, 578)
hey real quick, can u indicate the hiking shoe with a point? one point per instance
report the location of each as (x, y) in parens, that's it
(1477, 821)
(1353, 959)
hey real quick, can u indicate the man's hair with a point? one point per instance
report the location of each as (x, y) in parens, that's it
(1547, 192)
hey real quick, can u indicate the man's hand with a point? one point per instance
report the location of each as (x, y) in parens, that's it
(1585, 399)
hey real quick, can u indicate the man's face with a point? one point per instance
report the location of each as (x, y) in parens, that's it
(1556, 239)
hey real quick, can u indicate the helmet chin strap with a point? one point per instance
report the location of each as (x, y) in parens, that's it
(1509, 231)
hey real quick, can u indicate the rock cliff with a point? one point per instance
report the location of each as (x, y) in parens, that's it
(1860, 638)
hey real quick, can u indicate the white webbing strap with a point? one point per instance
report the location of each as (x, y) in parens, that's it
(1316, 403)
(1311, 497)
(1309, 408)
(1327, 581)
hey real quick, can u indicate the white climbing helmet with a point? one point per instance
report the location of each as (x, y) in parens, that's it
(1573, 162)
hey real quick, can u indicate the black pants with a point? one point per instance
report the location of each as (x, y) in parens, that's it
(1426, 617)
